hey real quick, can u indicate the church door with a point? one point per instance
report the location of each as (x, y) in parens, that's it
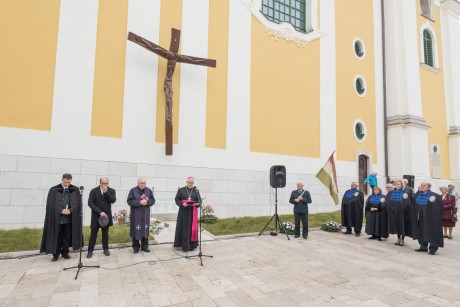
(362, 162)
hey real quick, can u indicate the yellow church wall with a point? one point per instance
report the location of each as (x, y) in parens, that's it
(433, 97)
(109, 74)
(285, 97)
(216, 103)
(27, 61)
(170, 17)
(350, 107)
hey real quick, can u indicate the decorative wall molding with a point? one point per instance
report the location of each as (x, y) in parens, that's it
(450, 7)
(407, 120)
(285, 30)
(454, 130)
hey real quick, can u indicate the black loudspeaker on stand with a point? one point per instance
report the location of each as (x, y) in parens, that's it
(277, 180)
(200, 254)
(80, 264)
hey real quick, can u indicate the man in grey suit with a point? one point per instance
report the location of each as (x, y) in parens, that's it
(300, 198)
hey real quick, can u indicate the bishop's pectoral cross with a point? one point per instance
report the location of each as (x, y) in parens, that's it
(173, 57)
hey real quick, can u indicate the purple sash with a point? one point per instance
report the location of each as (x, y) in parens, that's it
(141, 230)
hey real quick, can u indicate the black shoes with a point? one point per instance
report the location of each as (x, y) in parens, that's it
(106, 252)
(296, 236)
(421, 250)
(346, 233)
(147, 250)
(372, 238)
(135, 251)
(358, 234)
(66, 256)
(89, 254)
(305, 237)
(432, 253)
(55, 258)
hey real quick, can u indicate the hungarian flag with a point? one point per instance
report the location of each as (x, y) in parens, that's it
(328, 177)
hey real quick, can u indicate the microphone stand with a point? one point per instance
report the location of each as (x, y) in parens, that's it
(200, 254)
(80, 264)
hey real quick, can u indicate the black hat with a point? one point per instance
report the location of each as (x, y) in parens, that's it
(103, 221)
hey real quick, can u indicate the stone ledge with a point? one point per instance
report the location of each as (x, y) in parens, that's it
(454, 130)
(407, 120)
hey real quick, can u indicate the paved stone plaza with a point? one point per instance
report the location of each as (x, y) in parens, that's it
(327, 269)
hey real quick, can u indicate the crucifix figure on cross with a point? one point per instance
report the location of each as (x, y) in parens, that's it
(173, 57)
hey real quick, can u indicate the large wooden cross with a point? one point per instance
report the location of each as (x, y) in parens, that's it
(173, 57)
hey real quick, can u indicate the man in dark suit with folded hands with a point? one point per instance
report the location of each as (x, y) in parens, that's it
(300, 198)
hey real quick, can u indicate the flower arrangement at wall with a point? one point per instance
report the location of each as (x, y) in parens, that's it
(207, 215)
(122, 217)
(156, 226)
(331, 226)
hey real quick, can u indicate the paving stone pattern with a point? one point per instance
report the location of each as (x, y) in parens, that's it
(328, 269)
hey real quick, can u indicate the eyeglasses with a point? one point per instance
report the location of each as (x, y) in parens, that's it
(104, 183)
(141, 182)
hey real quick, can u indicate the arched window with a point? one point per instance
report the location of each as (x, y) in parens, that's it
(291, 11)
(428, 48)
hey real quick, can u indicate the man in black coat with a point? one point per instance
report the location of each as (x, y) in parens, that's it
(100, 201)
(427, 219)
(352, 209)
(62, 228)
(300, 198)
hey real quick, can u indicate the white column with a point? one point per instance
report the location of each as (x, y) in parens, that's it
(141, 74)
(450, 24)
(194, 42)
(407, 129)
(328, 93)
(378, 74)
(74, 78)
(239, 78)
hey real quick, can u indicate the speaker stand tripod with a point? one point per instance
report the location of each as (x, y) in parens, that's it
(80, 264)
(276, 216)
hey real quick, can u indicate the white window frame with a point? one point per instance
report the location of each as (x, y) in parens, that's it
(364, 127)
(365, 85)
(362, 44)
(427, 26)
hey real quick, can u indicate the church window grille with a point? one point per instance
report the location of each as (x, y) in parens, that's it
(359, 130)
(428, 48)
(359, 49)
(360, 86)
(291, 11)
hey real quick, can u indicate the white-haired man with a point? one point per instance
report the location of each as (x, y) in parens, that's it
(352, 209)
(140, 199)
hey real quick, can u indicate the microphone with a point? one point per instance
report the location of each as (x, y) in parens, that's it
(82, 188)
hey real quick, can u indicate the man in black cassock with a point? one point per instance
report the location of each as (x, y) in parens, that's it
(352, 209)
(300, 198)
(140, 199)
(62, 228)
(100, 201)
(187, 199)
(427, 219)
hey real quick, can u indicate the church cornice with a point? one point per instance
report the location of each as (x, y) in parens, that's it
(450, 7)
(454, 130)
(407, 119)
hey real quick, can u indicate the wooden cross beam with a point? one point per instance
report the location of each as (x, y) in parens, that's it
(173, 57)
